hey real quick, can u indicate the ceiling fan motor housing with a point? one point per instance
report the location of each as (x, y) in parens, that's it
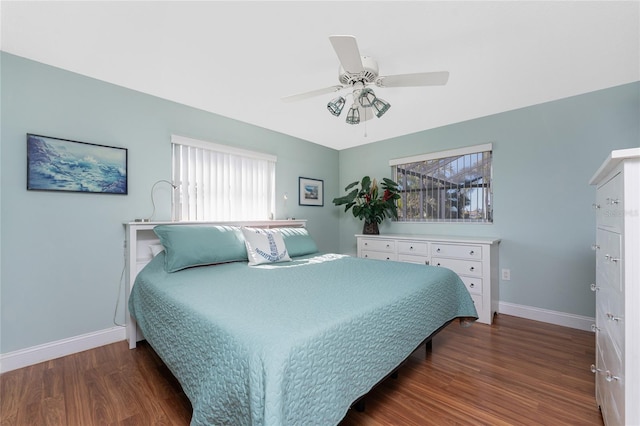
(368, 75)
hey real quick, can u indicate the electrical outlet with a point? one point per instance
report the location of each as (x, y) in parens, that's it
(506, 274)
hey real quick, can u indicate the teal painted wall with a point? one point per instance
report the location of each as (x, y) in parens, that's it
(62, 253)
(544, 157)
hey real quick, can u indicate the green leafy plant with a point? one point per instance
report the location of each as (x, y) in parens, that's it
(368, 202)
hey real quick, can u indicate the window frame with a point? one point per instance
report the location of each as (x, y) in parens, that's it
(439, 155)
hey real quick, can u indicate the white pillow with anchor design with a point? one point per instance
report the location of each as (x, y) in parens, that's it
(264, 246)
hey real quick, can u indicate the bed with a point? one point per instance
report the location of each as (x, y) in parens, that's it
(286, 342)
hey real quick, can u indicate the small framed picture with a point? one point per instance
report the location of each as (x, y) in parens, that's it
(311, 192)
(64, 165)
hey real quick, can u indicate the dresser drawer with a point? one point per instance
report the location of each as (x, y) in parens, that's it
(607, 325)
(608, 259)
(413, 247)
(613, 388)
(611, 319)
(474, 285)
(410, 258)
(460, 267)
(609, 203)
(379, 255)
(604, 395)
(378, 245)
(458, 251)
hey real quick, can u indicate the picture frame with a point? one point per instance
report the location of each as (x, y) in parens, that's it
(310, 192)
(55, 164)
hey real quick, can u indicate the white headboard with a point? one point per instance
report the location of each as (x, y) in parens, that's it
(139, 237)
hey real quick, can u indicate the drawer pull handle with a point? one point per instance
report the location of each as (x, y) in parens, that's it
(471, 253)
(366, 255)
(594, 287)
(438, 264)
(410, 247)
(595, 247)
(387, 258)
(614, 259)
(366, 244)
(594, 369)
(610, 377)
(612, 317)
(438, 250)
(612, 201)
(595, 328)
(472, 285)
(426, 262)
(388, 246)
(595, 206)
(472, 269)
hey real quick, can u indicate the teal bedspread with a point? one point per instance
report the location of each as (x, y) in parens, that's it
(290, 343)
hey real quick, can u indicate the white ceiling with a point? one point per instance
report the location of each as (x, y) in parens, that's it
(237, 59)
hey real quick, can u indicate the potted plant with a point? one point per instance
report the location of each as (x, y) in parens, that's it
(369, 203)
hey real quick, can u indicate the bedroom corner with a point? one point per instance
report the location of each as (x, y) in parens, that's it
(62, 253)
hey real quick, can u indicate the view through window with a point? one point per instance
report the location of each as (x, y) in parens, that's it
(448, 186)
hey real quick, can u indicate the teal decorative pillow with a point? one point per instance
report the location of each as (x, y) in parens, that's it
(196, 245)
(298, 241)
(264, 246)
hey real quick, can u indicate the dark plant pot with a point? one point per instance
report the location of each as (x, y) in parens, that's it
(371, 228)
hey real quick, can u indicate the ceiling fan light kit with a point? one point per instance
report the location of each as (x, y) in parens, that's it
(367, 97)
(362, 97)
(357, 72)
(380, 106)
(353, 116)
(335, 105)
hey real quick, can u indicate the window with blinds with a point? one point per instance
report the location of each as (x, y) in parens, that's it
(220, 182)
(447, 186)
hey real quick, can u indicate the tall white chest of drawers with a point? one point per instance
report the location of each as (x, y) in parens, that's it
(617, 287)
(475, 260)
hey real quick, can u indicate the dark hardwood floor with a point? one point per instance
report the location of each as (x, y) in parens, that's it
(515, 372)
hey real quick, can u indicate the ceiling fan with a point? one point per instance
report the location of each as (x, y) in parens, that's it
(357, 73)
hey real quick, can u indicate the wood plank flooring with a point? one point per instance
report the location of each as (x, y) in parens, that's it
(515, 372)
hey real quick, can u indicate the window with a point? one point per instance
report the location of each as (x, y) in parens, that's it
(219, 182)
(447, 186)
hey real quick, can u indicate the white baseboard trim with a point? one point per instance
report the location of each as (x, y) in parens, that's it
(48, 351)
(544, 315)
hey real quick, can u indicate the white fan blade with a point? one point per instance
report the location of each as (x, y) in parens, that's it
(311, 94)
(410, 80)
(346, 48)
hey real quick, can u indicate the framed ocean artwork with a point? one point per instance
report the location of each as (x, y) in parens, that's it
(55, 164)
(311, 192)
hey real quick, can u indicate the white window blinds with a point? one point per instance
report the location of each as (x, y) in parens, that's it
(222, 183)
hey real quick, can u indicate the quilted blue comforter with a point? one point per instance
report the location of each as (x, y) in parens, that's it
(290, 343)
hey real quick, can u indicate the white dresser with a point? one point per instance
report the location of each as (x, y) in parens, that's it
(617, 287)
(475, 260)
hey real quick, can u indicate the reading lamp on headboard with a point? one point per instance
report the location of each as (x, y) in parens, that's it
(153, 201)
